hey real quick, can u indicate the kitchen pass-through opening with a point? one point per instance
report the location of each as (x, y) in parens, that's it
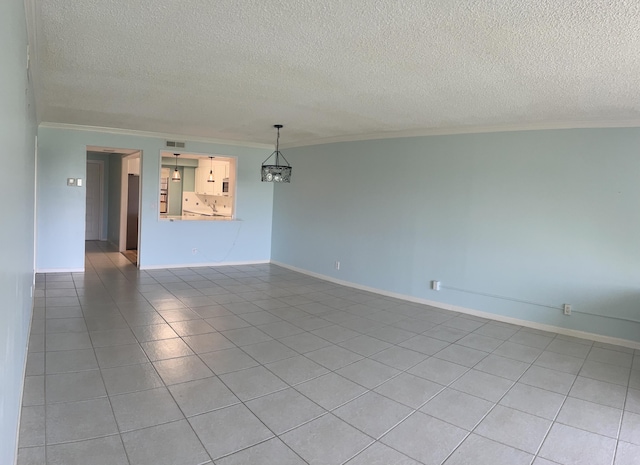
(197, 187)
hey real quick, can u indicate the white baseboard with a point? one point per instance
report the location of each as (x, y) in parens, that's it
(201, 264)
(470, 311)
(60, 270)
(24, 374)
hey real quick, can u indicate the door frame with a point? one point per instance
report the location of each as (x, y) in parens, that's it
(35, 217)
(124, 196)
(101, 235)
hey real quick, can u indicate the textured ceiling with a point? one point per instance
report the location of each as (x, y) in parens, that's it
(336, 69)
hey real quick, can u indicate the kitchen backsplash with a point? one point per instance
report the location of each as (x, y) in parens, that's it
(201, 203)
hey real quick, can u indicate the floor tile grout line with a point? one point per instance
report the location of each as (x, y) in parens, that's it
(491, 410)
(555, 418)
(115, 419)
(44, 422)
(185, 418)
(414, 410)
(468, 369)
(375, 441)
(262, 442)
(624, 410)
(77, 441)
(240, 402)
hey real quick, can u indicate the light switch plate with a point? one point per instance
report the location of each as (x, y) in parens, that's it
(79, 182)
(71, 181)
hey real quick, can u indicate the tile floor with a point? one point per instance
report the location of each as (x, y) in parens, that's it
(262, 365)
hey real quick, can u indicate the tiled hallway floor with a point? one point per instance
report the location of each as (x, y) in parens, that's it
(262, 365)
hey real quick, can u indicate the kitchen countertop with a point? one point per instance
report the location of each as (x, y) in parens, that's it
(207, 213)
(196, 217)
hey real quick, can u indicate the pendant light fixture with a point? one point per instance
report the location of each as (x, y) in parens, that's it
(277, 172)
(210, 178)
(175, 177)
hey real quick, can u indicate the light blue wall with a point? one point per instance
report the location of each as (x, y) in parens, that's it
(17, 133)
(60, 221)
(105, 158)
(174, 199)
(115, 194)
(546, 217)
(188, 180)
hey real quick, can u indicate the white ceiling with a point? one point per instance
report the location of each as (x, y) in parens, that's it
(336, 69)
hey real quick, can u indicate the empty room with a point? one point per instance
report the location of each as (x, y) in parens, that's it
(320, 232)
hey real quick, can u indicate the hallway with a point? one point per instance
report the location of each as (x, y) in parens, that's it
(258, 364)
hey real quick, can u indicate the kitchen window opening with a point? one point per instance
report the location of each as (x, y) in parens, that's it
(204, 191)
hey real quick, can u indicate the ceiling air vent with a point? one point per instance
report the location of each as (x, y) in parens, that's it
(173, 143)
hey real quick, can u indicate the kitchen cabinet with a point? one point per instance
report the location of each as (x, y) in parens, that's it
(223, 170)
(203, 186)
(220, 171)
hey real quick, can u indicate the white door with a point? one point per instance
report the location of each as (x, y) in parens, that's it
(94, 212)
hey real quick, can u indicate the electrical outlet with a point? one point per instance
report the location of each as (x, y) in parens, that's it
(566, 308)
(435, 285)
(194, 251)
(337, 265)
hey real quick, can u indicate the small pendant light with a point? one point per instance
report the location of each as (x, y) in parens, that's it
(210, 179)
(175, 177)
(277, 172)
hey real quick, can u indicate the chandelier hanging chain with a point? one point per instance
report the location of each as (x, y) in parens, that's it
(278, 153)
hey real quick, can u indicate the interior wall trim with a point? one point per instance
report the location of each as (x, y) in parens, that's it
(60, 270)
(155, 135)
(470, 311)
(449, 131)
(24, 375)
(202, 264)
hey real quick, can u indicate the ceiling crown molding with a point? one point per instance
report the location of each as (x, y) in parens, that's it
(468, 130)
(155, 135)
(31, 16)
(360, 137)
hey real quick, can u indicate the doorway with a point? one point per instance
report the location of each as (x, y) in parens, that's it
(110, 214)
(94, 200)
(130, 207)
(133, 198)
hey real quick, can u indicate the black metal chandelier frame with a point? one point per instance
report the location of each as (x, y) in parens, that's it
(277, 172)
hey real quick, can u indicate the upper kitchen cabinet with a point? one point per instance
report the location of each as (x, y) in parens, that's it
(218, 168)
